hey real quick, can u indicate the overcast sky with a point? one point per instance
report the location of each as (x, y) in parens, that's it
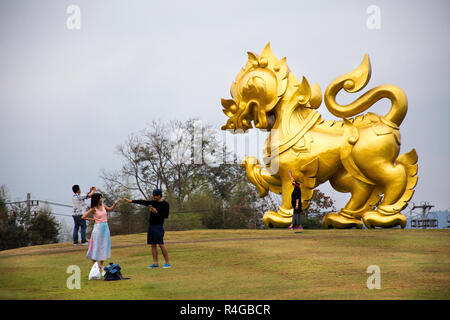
(68, 97)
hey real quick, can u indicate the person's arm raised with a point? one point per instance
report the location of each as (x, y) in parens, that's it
(113, 206)
(91, 192)
(141, 202)
(291, 177)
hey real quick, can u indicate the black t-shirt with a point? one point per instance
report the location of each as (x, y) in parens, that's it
(162, 209)
(296, 194)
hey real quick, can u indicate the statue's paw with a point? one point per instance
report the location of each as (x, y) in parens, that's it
(374, 219)
(272, 219)
(335, 220)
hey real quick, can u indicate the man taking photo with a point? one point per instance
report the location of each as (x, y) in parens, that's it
(78, 209)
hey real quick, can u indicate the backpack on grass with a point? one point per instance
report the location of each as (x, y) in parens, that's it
(112, 273)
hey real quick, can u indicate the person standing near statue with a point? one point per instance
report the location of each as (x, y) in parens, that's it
(159, 210)
(296, 201)
(78, 210)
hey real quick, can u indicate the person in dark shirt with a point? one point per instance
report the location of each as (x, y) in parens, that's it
(296, 201)
(159, 210)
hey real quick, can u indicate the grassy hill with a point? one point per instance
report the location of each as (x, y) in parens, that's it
(244, 264)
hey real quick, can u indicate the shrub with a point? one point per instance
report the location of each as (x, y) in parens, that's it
(312, 222)
(13, 236)
(43, 228)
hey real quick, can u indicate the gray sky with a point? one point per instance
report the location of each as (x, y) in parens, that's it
(69, 97)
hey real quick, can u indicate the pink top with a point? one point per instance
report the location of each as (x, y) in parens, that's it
(100, 215)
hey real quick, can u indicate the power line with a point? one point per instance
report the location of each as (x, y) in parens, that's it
(37, 201)
(14, 202)
(56, 204)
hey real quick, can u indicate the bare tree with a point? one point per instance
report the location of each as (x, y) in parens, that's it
(169, 156)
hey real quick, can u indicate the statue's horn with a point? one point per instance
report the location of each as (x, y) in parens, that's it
(304, 91)
(316, 97)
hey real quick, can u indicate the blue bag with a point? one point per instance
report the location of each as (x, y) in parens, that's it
(112, 273)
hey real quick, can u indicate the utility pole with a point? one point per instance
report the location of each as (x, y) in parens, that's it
(426, 207)
(28, 203)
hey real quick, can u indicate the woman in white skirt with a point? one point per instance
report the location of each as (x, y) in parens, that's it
(100, 243)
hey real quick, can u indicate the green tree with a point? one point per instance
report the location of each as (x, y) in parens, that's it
(237, 204)
(12, 234)
(20, 228)
(3, 208)
(43, 227)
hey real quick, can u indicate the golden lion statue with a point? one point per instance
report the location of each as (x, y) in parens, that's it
(357, 155)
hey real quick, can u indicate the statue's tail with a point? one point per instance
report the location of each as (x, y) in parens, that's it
(356, 80)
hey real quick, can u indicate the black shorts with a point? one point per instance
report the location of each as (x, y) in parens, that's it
(155, 234)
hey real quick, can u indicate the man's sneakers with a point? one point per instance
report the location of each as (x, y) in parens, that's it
(81, 244)
(167, 265)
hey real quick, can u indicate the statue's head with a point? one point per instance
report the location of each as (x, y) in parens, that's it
(260, 88)
(256, 91)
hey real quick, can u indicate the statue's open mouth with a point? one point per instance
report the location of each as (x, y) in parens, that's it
(261, 119)
(248, 115)
(242, 114)
(243, 120)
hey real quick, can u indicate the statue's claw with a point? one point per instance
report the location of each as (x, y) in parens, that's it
(374, 219)
(273, 219)
(338, 221)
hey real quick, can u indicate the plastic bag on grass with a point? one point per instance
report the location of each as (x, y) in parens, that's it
(95, 273)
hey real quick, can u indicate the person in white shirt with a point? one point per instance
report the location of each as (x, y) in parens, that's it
(78, 209)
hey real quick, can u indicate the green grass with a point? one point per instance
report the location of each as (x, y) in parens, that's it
(244, 264)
